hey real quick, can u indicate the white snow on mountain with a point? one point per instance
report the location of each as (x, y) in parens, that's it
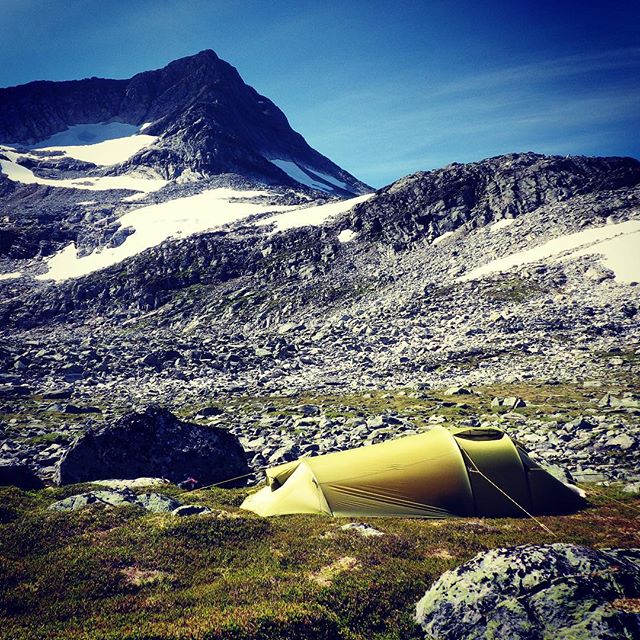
(295, 172)
(153, 224)
(184, 217)
(501, 224)
(311, 216)
(443, 237)
(330, 179)
(10, 276)
(346, 235)
(108, 152)
(88, 134)
(18, 173)
(619, 244)
(620, 254)
(104, 143)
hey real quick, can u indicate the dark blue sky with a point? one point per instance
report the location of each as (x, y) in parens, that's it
(382, 88)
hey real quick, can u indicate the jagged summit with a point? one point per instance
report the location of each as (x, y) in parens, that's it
(206, 119)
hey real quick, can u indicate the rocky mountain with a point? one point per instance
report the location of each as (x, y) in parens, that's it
(205, 119)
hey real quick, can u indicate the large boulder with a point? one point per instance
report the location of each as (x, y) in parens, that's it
(153, 443)
(17, 474)
(536, 592)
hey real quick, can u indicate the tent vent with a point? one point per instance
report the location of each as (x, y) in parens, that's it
(480, 434)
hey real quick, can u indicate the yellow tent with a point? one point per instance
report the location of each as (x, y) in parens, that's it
(436, 474)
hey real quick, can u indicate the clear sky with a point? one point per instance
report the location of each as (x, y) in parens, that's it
(383, 88)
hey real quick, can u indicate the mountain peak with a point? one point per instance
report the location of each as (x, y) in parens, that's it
(206, 119)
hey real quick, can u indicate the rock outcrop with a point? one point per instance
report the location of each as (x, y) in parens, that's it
(536, 592)
(153, 443)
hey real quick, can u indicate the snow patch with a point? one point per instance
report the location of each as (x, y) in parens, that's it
(346, 235)
(330, 179)
(106, 153)
(295, 172)
(156, 223)
(10, 276)
(501, 224)
(311, 216)
(135, 197)
(620, 251)
(104, 143)
(444, 236)
(88, 134)
(18, 173)
(620, 254)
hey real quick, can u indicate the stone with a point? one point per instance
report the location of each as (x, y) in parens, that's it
(632, 487)
(457, 391)
(14, 390)
(73, 409)
(208, 412)
(153, 443)
(17, 474)
(115, 498)
(58, 394)
(535, 591)
(191, 510)
(365, 530)
(157, 503)
(308, 410)
(510, 402)
(622, 441)
(134, 483)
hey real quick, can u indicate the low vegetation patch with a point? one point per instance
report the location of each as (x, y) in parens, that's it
(125, 573)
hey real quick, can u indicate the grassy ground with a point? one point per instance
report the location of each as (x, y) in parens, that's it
(124, 573)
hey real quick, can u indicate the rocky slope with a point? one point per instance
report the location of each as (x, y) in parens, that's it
(248, 310)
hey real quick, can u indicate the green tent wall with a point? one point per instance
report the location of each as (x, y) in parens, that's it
(436, 474)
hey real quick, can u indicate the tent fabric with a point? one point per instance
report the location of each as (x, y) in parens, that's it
(436, 474)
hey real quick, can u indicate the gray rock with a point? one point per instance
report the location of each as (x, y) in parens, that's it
(58, 394)
(622, 441)
(632, 487)
(73, 409)
(153, 443)
(457, 391)
(536, 592)
(156, 502)
(510, 402)
(14, 390)
(17, 474)
(106, 498)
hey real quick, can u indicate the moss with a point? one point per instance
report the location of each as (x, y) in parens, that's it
(125, 573)
(54, 437)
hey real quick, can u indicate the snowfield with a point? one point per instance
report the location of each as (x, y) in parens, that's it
(156, 223)
(444, 236)
(132, 182)
(618, 244)
(102, 144)
(501, 224)
(184, 217)
(295, 172)
(311, 216)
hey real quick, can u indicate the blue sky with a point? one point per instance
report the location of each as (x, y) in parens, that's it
(382, 88)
